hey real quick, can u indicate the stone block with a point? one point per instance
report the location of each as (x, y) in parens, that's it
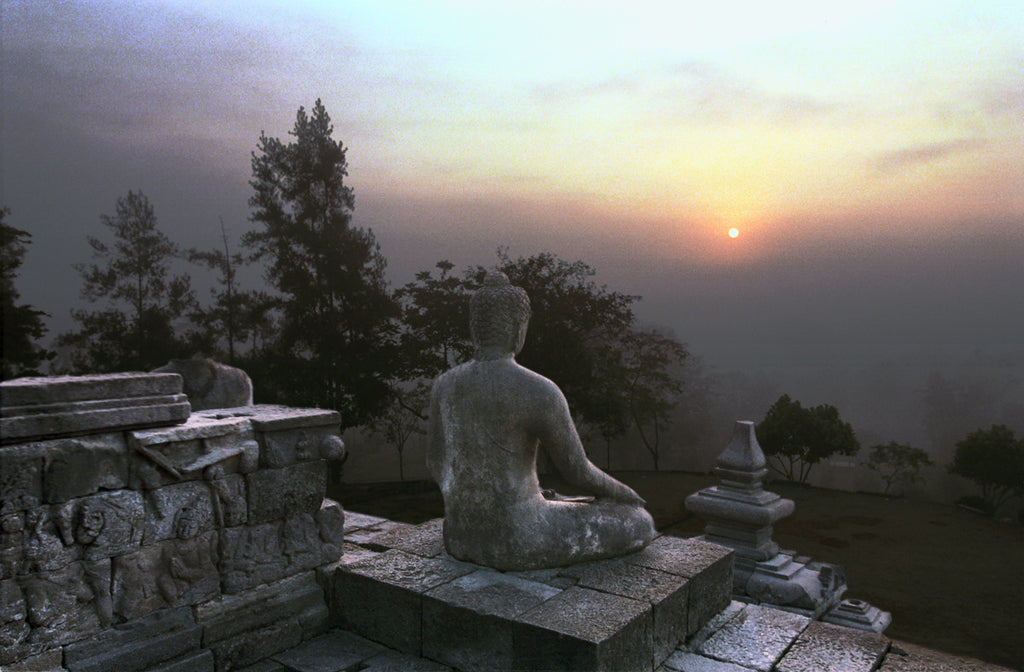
(103, 525)
(583, 629)
(47, 661)
(300, 543)
(666, 593)
(137, 645)
(192, 451)
(468, 622)
(330, 652)
(708, 567)
(271, 418)
(84, 466)
(166, 504)
(38, 408)
(250, 556)
(424, 539)
(21, 477)
(381, 597)
(200, 661)
(824, 646)
(43, 550)
(276, 493)
(755, 638)
(251, 646)
(233, 615)
(14, 627)
(67, 604)
(288, 447)
(12, 544)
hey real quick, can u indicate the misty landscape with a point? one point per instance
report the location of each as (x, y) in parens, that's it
(711, 220)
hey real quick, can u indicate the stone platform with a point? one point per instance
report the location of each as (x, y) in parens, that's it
(396, 586)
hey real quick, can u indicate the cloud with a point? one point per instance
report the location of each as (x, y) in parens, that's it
(900, 159)
(570, 91)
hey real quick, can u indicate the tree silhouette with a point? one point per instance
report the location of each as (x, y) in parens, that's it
(897, 463)
(795, 438)
(994, 459)
(136, 330)
(22, 324)
(335, 348)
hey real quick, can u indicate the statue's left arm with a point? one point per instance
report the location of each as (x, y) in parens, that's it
(561, 441)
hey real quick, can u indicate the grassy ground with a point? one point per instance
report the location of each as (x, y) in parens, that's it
(953, 580)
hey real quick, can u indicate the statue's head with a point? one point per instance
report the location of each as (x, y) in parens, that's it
(498, 314)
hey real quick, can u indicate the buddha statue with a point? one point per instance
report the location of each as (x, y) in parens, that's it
(488, 417)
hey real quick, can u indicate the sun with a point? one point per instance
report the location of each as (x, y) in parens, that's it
(733, 233)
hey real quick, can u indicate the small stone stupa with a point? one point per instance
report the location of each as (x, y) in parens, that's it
(740, 515)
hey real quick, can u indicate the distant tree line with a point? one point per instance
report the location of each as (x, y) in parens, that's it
(327, 330)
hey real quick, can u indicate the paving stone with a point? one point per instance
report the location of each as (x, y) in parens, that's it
(393, 661)
(367, 536)
(707, 566)
(583, 629)
(683, 661)
(667, 594)
(824, 646)
(467, 623)
(424, 539)
(755, 638)
(715, 624)
(265, 665)
(906, 657)
(334, 651)
(48, 661)
(381, 597)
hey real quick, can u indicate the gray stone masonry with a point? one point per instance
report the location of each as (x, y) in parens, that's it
(464, 621)
(192, 546)
(398, 588)
(37, 408)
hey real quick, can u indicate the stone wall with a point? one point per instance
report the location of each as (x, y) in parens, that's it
(192, 546)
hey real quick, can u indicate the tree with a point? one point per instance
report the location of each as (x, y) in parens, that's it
(994, 459)
(226, 317)
(435, 318)
(794, 438)
(335, 348)
(652, 367)
(403, 416)
(22, 324)
(136, 331)
(897, 463)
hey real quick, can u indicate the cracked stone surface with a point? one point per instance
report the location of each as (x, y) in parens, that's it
(756, 638)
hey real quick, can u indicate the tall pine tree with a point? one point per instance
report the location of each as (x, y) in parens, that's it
(338, 315)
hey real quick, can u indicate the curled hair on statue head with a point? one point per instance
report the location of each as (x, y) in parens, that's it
(497, 311)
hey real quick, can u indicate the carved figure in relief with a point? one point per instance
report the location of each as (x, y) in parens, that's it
(189, 561)
(487, 419)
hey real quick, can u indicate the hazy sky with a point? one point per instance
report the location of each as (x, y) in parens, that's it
(871, 155)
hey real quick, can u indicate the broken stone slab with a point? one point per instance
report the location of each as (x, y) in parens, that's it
(755, 638)
(707, 566)
(355, 521)
(583, 629)
(137, 645)
(381, 597)
(467, 622)
(39, 408)
(684, 661)
(210, 384)
(823, 646)
(424, 539)
(203, 447)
